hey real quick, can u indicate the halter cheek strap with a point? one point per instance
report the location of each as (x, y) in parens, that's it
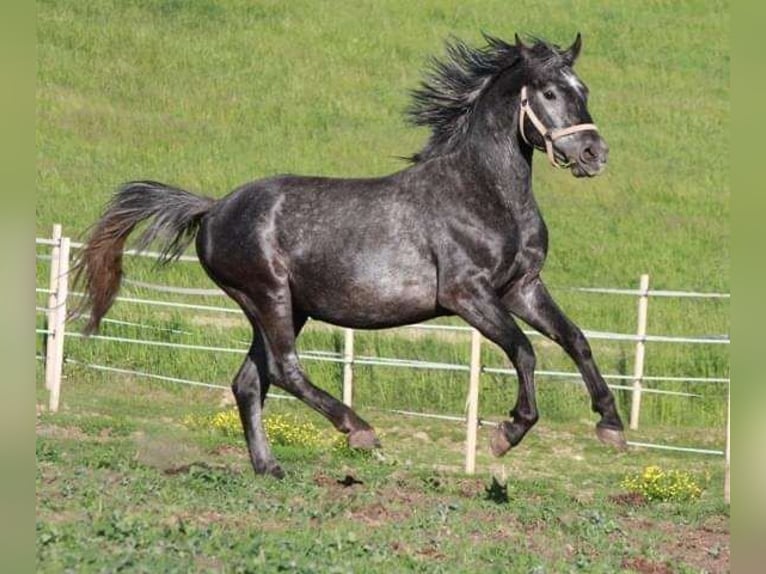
(549, 136)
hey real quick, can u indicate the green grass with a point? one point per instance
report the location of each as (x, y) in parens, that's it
(144, 491)
(209, 95)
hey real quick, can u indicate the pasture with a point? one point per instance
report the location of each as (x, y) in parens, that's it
(124, 484)
(208, 95)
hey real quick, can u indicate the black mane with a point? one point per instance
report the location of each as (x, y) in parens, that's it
(446, 96)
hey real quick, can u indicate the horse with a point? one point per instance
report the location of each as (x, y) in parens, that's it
(457, 232)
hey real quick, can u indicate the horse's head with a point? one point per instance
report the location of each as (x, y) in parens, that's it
(553, 113)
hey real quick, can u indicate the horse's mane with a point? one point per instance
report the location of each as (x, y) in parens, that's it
(446, 96)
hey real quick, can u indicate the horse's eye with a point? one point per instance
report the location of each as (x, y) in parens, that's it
(549, 95)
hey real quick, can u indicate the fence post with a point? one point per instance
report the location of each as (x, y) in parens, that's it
(638, 366)
(727, 475)
(472, 419)
(348, 367)
(62, 291)
(53, 282)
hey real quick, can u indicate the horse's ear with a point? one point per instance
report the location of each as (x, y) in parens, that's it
(570, 55)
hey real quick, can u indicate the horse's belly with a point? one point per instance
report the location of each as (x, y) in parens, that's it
(367, 296)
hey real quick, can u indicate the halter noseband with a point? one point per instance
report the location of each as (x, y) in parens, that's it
(549, 136)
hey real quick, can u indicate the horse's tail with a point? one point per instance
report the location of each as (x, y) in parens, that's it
(174, 216)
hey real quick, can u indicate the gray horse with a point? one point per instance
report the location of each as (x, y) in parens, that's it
(457, 232)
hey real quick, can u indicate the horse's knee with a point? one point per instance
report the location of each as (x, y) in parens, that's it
(242, 392)
(522, 355)
(579, 347)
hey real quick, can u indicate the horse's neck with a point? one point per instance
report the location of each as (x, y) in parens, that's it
(506, 171)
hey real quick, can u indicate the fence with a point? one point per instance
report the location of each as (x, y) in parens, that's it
(55, 334)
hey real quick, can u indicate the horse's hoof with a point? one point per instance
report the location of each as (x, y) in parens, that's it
(363, 439)
(612, 437)
(271, 470)
(499, 443)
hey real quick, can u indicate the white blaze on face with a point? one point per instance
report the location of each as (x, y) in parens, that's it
(573, 81)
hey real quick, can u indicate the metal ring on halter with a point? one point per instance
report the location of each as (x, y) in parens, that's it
(549, 136)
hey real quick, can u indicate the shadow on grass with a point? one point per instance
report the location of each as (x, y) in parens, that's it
(496, 492)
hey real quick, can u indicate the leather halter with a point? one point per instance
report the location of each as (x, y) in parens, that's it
(549, 135)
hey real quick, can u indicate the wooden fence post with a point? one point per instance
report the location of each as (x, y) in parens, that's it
(53, 283)
(58, 331)
(638, 366)
(348, 367)
(472, 419)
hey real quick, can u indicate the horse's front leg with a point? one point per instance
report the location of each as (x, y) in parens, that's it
(480, 307)
(531, 301)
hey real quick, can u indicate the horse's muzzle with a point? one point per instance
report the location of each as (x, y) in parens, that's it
(591, 159)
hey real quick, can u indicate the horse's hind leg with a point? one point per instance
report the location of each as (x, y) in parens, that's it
(532, 302)
(249, 389)
(360, 434)
(280, 328)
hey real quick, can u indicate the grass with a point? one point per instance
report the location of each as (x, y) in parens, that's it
(142, 490)
(211, 95)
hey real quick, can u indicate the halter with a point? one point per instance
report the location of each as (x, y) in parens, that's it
(549, 136)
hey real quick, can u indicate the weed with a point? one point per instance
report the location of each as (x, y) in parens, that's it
(282, 430)
(46, 451)
(654, 483)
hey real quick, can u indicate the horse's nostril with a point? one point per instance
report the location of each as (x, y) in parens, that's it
(588, 155)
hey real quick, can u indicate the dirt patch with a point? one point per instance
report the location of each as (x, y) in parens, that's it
(629, 499)
(229, 450)
(430, 552)
(706, 547)
(646, 566)
(198, 518)
(716, 524)
(703, 547)
(472, 488)
(704, 550)
(375, 514)
(57, 432)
